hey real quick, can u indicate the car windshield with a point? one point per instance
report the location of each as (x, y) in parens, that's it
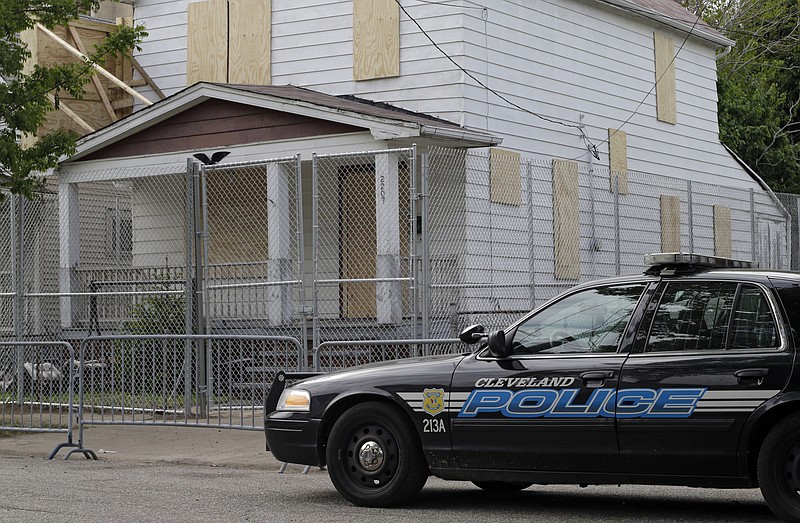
(591, 320)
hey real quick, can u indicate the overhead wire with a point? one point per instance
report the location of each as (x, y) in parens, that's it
(586, 139)
(591, 147)
(646, 96)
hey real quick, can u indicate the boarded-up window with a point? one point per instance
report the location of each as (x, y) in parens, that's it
(504, 177)
(722, 231)
(229, 41)
(670, 224)
(376, 39)
(566, 220)
(665, 78)
(618, 160)
(249, 47)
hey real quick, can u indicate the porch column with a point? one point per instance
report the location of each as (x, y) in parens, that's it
(69, 249)
(279, 241)
(388, 295)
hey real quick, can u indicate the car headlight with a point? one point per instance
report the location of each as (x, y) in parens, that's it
(295, 399)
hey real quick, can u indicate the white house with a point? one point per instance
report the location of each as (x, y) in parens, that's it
(574, 91)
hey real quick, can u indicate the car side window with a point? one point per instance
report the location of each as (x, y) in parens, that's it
(592, 320)
(711, 316)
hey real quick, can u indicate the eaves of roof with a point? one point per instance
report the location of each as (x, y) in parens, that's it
(672, 14)
(382, 120)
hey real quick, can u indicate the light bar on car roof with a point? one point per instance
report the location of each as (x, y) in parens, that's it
(696, 260)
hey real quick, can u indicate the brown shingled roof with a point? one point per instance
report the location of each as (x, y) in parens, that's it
(347, 103)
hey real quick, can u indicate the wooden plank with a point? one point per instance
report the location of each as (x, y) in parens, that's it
(249, 45)
(146, 78)
(670, 223)
(504, 177)
(665, 78)
(207, 42)
(376, 39)
(69, 112)
(95, 80)
(566, 220)
(722, 231)
(99, 69)
(618, 159)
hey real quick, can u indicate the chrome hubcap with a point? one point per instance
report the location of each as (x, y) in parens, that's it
(370, 456)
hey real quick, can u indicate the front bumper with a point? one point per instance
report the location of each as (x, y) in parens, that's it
(292, 437)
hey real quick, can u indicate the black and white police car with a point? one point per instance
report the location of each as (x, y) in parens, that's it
(684, 375)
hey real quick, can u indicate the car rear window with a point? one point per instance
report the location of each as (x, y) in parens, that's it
(789, 293)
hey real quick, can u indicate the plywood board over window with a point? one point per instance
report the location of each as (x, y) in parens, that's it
(566, 220)
(249, 46)
(722, 231)
(618, 160)
(229, 41)
(504, 177)
(376, 39)
(207, 43)
(670, 223)
(665, 78)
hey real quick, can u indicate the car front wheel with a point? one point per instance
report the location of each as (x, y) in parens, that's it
(374, 456)
(779, 469)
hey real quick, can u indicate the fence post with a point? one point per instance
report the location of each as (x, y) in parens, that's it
(412, 235)
(531, 250)
(189, 313)
(752, 225)
(424, 275)
(690, 212)
(301, 259)
(314, 252)
(17, 259)
(199, 287)
(617, 261)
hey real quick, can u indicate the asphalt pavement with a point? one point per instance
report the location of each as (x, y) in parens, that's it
(151, 444)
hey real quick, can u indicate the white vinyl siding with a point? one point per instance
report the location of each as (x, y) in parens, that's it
(561, 59)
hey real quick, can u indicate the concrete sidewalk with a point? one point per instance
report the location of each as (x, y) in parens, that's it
(150, 444)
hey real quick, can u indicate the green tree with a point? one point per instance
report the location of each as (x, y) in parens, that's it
(759, 84)
(24, 100)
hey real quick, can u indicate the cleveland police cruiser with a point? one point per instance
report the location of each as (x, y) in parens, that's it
(684, 375)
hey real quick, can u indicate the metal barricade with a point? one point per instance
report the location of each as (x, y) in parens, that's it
(333, 355)
(37, 384)
(186, 380)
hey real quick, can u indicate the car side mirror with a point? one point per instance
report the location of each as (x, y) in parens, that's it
(472, 334)
(498, 346)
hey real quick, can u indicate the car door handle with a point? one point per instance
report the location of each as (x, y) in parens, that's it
(595, 378)
(750, 374)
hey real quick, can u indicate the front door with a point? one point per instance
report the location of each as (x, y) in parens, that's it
(550, 405)
(713, 354)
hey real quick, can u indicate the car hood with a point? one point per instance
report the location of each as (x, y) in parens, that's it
(394, 372)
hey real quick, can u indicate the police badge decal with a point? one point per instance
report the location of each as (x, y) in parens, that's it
(433, 401)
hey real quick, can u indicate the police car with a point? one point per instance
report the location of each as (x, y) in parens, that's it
(684, 375)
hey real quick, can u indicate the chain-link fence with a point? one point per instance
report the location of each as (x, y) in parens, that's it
(37, 388)
(504, 234)
(378, 245)
(181, 379)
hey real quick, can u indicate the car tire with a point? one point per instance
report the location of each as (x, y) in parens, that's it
(502, 486)
(374, 456)
(779, 469)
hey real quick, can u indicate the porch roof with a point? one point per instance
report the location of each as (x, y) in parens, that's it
(384, 121)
